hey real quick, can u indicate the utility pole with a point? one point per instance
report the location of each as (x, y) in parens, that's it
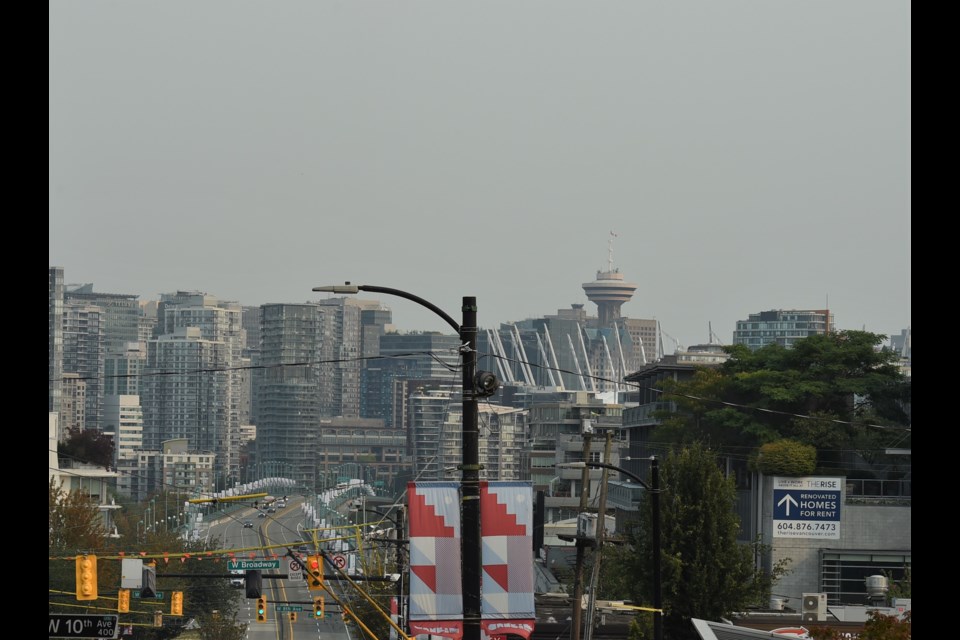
(601, 533)
(577, 613)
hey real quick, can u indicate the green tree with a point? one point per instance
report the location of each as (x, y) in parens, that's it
(706, 572)
(75, 526)
(901, 588)
(829, 391)
(786, 458)
(215, 626)
(90, 446)
(74, 521)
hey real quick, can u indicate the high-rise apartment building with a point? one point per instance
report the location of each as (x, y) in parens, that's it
(408, 356)
(83, 354)
(98, 331)
(123, 417)
(191, 384)
(341, 353)
(73, 403)
(123, 369)
(435, 436)
(121, 313)
(783, 327)
(56, 340)
(287, 388)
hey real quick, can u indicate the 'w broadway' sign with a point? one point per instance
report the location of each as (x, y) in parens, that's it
(807, 507)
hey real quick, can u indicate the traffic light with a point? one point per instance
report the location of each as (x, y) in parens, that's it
(262, 609)
(315, 569)
(123, 601)
(176, 603)
(87, 577)
(293, 616)
(318, 608)
(254, 582)
(148, 588)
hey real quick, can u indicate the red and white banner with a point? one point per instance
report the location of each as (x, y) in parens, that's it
(506, 523)
(436, 601)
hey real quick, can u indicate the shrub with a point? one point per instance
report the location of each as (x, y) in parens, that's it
(786, 458)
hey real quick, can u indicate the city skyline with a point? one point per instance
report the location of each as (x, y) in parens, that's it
(670, 342)
(726, 158)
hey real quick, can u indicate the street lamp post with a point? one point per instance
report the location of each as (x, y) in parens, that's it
(471, 576)
(654, 489)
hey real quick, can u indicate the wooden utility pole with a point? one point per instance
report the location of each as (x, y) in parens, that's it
(577, 613)
(601, 533)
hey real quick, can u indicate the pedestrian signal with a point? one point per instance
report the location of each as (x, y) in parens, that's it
(87, 577)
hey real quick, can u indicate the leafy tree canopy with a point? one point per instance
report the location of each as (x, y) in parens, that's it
(90, 446)
(835, 392)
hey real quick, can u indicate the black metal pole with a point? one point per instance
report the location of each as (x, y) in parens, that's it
(470, 537)
(401, 534)
(470, 479)
(657, 586)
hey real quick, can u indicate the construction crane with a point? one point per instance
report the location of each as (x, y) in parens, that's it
(676, 343)
(713, 335)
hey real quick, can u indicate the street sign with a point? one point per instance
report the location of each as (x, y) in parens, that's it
(157, 595)
(294, 570)
(289, 607)
(82, 625)
(339, 560)
(253, 564)
(807, 507)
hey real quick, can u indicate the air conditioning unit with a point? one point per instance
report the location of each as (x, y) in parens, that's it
(814, 607)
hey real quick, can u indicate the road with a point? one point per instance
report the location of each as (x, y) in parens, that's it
(276, 532)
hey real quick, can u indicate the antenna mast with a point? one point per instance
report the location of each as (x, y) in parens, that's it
(610, 251)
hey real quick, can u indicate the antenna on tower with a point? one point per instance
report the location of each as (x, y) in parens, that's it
(610, 251)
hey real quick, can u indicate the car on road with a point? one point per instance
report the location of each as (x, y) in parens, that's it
(271, 510)
(248, 525)
(261, 515)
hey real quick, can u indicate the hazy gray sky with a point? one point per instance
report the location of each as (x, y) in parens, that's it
(748, 155)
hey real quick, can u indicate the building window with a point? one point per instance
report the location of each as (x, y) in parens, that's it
(843, 574)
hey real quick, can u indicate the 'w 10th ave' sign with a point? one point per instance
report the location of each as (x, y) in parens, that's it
(807, 507)
(82, 625)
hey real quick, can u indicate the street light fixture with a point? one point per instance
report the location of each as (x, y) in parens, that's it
(654, 489)
(471, 576)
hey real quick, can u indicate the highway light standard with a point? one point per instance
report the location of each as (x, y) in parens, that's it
(654, 489)
(474, 385)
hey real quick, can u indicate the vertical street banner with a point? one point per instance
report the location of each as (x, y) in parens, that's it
(506, 523)
(436, 597)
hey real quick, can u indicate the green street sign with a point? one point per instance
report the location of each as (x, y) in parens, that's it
(243, 565)
(288, 607)
(158, 595)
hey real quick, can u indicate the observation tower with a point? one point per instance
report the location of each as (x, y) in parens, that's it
(609, 291)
